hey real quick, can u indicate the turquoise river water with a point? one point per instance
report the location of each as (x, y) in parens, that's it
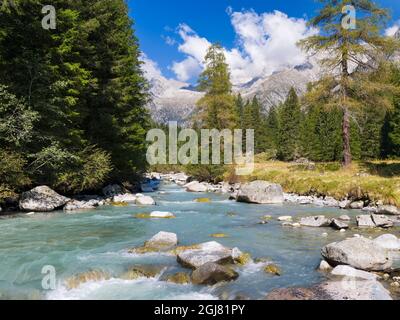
(99, 240)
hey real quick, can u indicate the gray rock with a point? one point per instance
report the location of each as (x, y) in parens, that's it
(260, 192)
(75, 205)
(339, 224)
(345, 204)
(370, 209)
(324, 266)
(365, 221)
(204, 253)
(355, 289)
(357, 205)
(388, 241)
(145, 200)
(127, 197)
(345, 218)
(112, 190)
(331, 202)
(163, 241)
(382, 221)
(212, 273)
(196, 186)
(41, 199)
(360, 253)
(317, 221)
(285, 218)
(389, 210)
(347, 271)
(162, 215)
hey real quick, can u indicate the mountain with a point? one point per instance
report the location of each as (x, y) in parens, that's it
(176, 101)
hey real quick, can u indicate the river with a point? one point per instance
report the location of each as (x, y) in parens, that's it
(99, 240)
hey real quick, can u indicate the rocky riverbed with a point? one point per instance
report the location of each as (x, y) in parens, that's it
(188, 240)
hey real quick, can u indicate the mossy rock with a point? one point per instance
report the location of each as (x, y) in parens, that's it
(89, 276)
(203, 200)
(119, 204)
(273, 269)
(144, 271)
(266, 218)
(181, 249)
(243, 259)
(142, 216)
(219, 235)
(177, 278)
(143, 250)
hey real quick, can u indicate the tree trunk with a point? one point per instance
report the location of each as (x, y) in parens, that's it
(346, 138)
(347, 158)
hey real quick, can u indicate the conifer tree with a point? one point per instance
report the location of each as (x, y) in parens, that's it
(217, 107)
(289, 129)
(346, 46)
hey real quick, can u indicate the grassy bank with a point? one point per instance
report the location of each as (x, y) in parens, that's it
(364, 180)
(375, 180)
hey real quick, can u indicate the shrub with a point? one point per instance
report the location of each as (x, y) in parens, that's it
(89, 172)
(12, 176)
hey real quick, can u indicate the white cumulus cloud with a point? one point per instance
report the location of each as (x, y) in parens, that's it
(391, 31)
(266, 43)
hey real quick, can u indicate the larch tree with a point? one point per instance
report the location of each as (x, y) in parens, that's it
(349, 52)
(217, 107)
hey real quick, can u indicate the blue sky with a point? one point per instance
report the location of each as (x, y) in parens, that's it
(157, 22)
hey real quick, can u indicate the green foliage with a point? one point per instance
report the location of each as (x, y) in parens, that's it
(16, 120)
(89, 172)
(217, 107)
(350, 91)
(66, 90)
(289, 128)
(12, 175)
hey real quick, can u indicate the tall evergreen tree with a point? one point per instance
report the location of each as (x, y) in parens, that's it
(272, 129)
(346, 46)
(289, 129)
(217, 107)
(239, 108)
(83, 84)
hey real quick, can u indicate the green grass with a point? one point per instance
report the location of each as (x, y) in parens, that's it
(364, 180)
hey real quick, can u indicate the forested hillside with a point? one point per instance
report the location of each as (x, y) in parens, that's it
(72, 99)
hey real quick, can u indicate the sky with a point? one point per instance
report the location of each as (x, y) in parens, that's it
(259, 36)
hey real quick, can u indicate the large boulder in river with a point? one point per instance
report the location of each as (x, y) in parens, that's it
(360, 253)
(260, 192)
(75, 205)
(42, 199)
(388, 241)
(365, 221)
(204, 253)
(382, 221)
(389, 210)
(339, 224)
(212, 273)
(163, 241)
(349, 272)
(145, 201)
(196, 186)
(317, 221)
(127, 197)
(354, 289)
